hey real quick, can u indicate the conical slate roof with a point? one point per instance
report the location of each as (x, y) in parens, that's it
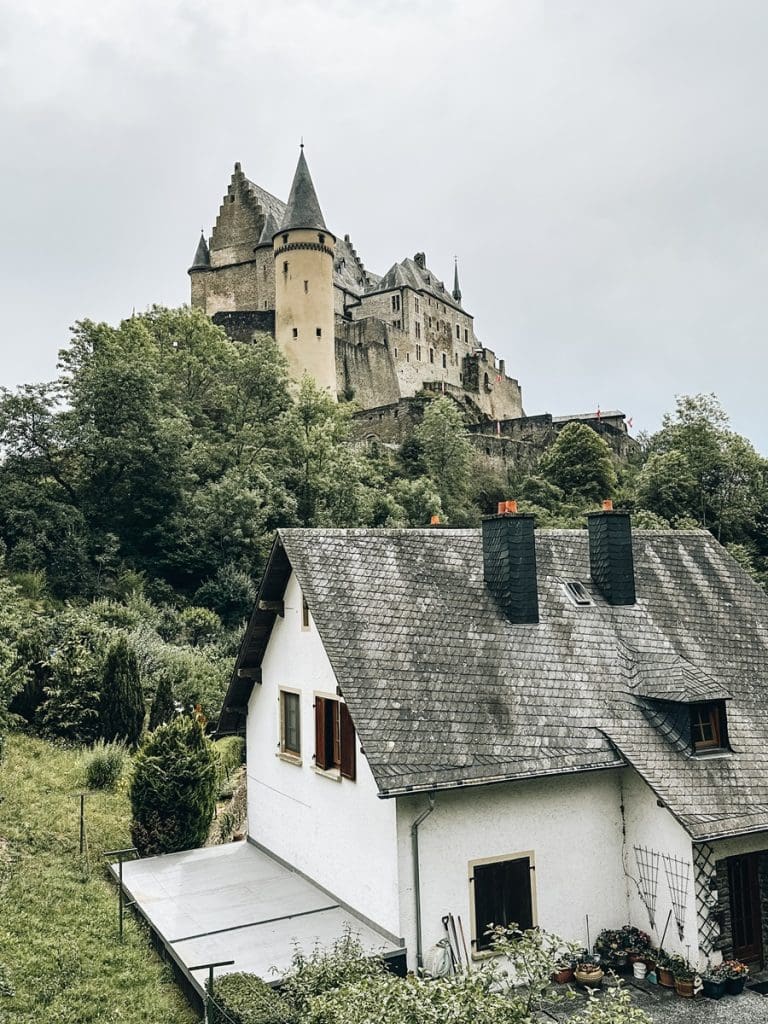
(202, 256)
(268, 232)
(303, 210)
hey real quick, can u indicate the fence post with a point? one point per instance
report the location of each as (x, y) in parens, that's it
(121, 904)
(209, 983)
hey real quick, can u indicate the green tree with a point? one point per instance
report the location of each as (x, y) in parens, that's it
(163, 705)
(447, 455)
(580, 463)
(122, 706)
(173, 788)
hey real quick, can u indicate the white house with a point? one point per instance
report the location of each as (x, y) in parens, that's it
(514, 725)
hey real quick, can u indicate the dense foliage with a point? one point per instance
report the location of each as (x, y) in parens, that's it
(173, 788)
(344, 984)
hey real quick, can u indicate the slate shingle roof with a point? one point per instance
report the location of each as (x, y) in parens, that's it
(408, 274)
(444, 691)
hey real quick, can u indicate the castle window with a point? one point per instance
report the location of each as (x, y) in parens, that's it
(466, 336)
(395, 351)
(458, 333)
(445, 361)
(418, 329)
(318, 332)
(407, 357)
(395, 303)
(417, 305)
(306, 287)
(396, 323)
(321, 239)
(285, 239)
(295, 332)
(285, 267)
(431, 355)
(418, 352)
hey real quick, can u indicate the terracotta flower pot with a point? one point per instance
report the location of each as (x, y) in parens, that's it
(666, 977)
(563, 976)
(684, 987)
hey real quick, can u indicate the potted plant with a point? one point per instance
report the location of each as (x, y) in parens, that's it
(735, 976)
(713, 982)
(588, 972)
(635, 941)
(684, 975)
(663, 970)
(563, 972)
(610, 945)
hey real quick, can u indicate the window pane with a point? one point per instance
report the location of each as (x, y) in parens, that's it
(291, 723)
(502, 896)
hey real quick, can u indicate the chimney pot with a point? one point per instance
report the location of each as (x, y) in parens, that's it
(434, 521)
(506, 508)
(607, 505)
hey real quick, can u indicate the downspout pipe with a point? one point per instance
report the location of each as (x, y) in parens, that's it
(417, 876)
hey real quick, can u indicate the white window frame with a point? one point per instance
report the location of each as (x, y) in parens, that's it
(499, 859)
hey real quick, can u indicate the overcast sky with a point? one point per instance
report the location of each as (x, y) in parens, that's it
(599, 168)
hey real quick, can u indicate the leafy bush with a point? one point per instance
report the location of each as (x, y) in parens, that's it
(230, 594)
(104, 765)
(386, 999)
(230, 754)
(173, 789)
(122, 699)
(612, 1007)
(343, 963)
(242, 998)
(201, 625)
(75, 649)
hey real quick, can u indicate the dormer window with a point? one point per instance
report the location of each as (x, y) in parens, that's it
(708, 727)
(576, 592)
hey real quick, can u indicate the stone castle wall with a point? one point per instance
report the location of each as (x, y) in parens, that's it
(365, 371)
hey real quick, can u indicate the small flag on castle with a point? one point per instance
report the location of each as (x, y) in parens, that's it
(498, 378)
(630, 421)
(598, 413)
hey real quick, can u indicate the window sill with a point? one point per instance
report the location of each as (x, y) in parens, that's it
(712, 754)
(283, 755)
(333, 774)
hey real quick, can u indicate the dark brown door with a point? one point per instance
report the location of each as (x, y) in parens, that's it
(746, 923)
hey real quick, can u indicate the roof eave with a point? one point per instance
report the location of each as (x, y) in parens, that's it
(433, 787)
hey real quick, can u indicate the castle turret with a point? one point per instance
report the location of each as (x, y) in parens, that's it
(304, 316)
(197, 272)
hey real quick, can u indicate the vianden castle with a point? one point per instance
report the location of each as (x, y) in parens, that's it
(386, 342)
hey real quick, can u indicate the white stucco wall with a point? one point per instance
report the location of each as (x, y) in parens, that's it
(339, 833)
(654, 827)
(573, 826)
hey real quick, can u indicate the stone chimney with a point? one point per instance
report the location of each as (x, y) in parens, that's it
(509, 562)
(610, 554)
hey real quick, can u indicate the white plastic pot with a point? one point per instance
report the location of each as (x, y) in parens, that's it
(639, 968)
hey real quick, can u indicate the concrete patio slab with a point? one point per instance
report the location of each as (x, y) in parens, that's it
(235, 902)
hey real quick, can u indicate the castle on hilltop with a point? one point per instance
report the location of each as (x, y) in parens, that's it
(383, 341)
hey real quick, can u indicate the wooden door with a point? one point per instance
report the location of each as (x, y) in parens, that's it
(746, 919)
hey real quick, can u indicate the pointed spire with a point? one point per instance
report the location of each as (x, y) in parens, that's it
(268, 232)
(202, 258)
(303, 210)
(456, 290)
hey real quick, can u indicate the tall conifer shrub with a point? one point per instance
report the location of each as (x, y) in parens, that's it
(173, 789)
(122, 698)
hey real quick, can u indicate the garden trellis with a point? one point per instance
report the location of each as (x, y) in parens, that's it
(648, 870)
(678, 874)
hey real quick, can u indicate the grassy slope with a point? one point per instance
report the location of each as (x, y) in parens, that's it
(58, 922)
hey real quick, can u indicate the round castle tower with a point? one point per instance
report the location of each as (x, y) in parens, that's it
(304, 309)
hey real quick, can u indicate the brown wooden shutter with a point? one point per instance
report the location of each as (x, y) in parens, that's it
(348, 745)
(336, 734)
(320, 741)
